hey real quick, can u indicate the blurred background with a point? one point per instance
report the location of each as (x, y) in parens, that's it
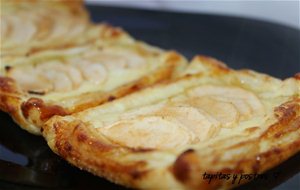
(282, 12)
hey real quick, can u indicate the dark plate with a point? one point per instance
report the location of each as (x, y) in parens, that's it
(27, 163)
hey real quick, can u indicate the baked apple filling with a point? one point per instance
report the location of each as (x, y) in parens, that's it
(39, 25)
(193, 117)
(64, 74)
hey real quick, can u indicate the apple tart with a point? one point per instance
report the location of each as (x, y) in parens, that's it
(211, 120)
(40, 86)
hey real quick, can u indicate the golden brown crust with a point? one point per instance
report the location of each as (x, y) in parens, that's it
(10, 102)
(256, 149)
(45, 112)
(69, 139)
(297, 76)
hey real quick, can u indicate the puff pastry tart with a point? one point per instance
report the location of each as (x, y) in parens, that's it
(213, 120)
(34, 88)
(29, 27)
(32, 25)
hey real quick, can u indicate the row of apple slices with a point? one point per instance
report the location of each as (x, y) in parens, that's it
(187, 119)
(42, 26)
(62, 75)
